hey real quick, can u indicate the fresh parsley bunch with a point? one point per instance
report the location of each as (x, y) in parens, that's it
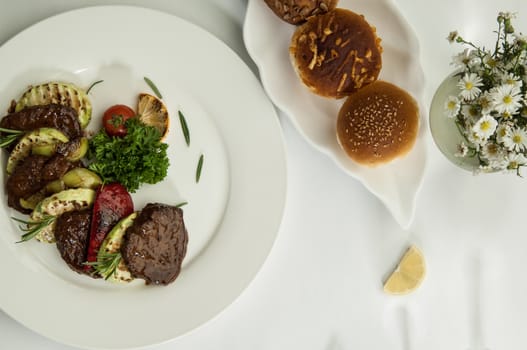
(136, 158)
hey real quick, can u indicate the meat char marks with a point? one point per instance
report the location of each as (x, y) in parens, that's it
(156, 243)
(71, 232)
(31, 175)
(54, 116)
(34, 172)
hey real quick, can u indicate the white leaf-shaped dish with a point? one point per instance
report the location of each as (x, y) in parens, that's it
(267, 39)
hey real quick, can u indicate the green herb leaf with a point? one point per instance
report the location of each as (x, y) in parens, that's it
(198, 169)
(32, 228)
(106, 263)
(153, 87)
(92, 85)
(184, 127)
(136, 158)
(12, 136)
(11, 131)
(181, 204)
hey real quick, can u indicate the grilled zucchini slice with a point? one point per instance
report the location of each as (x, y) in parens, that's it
(41, 141)
(65, 94)
(115, 269)
(58, 204)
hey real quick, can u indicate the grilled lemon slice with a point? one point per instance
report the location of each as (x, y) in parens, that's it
(153, 112)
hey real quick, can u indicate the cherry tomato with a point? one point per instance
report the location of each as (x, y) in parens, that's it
(114, 120)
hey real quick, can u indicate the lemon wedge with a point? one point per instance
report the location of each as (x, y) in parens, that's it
(408, 274)
(153, 112)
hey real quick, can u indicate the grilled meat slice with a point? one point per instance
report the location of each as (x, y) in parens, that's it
(72, 233)
(25, 181)
(32, 174)
(56, 167)
(154, 246)
(55, 116)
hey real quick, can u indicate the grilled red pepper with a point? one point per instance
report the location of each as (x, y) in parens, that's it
(112, 203)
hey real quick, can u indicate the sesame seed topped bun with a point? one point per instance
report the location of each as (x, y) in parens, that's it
(336, 53)
(298, 11)
(378, 123)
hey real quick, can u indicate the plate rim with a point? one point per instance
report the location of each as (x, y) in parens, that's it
(244, 71)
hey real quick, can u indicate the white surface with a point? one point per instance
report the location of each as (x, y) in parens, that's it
(268, 39)
(320, 289)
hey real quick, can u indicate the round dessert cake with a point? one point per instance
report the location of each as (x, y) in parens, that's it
(298, 11)
(378, 123)
(336, 53)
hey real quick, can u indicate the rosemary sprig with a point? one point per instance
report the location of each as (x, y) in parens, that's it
(32, 228)
(181, 204)
(153, 87)
(12, 136)
(199, 168)
(92, 85)
(184, 127)
(106, 263)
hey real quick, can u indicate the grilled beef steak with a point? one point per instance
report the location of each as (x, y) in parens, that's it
(32, 174)
(55, 116)
(72, 232)
(56, 167)
(154, 246)
(25, 181)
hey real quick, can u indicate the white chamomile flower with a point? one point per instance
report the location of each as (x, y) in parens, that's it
(507, 15)
(485, 127)
(506, 99)
(498, 163)
(470, 86)
(452, 36)
(502, 132)
(458, 60)
(515, 160)
(462, 150)
(516, 140)
(464, 59)
(494, 155)
(512, 80)
(483, 169)
(476, 65)
(489, 61)
(475, 140)
(470, 113)
(452, 106)
(485, 102)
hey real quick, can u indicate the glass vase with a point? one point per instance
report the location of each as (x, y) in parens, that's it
(444, 130)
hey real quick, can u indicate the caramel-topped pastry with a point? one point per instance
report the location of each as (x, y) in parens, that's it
(336, 53)
(298, 11)
(378, 123)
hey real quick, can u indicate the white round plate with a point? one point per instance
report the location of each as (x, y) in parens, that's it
(233, 212)
(267, 38)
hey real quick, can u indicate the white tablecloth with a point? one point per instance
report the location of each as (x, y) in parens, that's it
(321, 285)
